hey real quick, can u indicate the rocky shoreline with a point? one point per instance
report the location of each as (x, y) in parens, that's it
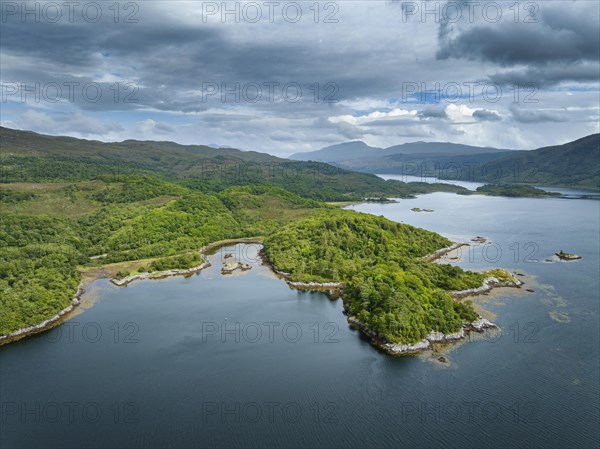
(64, 313)
(159, 275)
(334, 289)
(442, 252)
(488, 285)
(434, 337)
(46, 324)
(479, 325)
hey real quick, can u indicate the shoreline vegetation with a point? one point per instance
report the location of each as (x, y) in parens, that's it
(96, 273)
(49, 323)
(391, 291)
(335, 291)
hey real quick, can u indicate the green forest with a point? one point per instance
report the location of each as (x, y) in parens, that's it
(388, 286)
(68, 206)
(50, 232)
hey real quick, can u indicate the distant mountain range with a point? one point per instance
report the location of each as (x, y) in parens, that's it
(574, 164)
(354, 150)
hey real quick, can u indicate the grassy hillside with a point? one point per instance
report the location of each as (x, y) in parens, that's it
(31, 157)
(574, 164)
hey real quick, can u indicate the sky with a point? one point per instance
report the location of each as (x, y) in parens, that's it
(285, 77)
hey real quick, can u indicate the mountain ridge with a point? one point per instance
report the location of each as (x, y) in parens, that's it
(358, 149)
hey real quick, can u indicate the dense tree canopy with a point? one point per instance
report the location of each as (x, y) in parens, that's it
(388, 285)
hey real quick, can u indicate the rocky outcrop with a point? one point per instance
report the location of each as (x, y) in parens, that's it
(488, 284)
(478, 325)
(442, 252)
(567, 256)
(315, 285)
(230, 267)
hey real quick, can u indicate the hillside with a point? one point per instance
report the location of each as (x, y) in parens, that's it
(30, 157)
(51, 233)
(573, 164)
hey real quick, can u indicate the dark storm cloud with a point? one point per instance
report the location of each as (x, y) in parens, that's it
(568, 33)
(171, 53)
(483, 115)
(433, 113)
(511, 44)
(169, 58)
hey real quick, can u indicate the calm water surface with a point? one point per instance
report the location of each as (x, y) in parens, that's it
(470, 185)
(244, 361)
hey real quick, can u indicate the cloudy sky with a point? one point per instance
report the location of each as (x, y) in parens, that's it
(283, 77)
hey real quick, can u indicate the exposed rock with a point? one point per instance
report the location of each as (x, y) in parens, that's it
(315, 284)
(230, 267)
(418, 209)
(479, 239)
(567, 256)
(441, 252)
(158, 275)
(480, 324)
(488, 284)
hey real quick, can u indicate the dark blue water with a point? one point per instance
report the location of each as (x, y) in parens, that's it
(244, 361)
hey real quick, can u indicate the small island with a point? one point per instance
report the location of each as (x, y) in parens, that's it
(567, 256)
(418, 209)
